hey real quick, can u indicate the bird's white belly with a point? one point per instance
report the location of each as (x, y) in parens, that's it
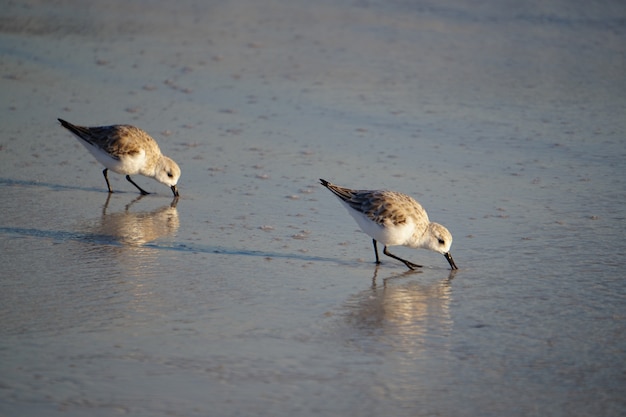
(126, 165)
(387, 235)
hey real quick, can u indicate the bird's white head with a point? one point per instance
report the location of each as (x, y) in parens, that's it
(439, 239)
(168, 173)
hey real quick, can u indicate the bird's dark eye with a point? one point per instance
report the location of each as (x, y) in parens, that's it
(169, 174)
(442, 242)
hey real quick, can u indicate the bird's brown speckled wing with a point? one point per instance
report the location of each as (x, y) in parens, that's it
(381, 206)
(124, 140)
(116, 140)
(386, 207)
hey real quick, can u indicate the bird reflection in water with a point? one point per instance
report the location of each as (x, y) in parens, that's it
(120, 267)
(138, 228)
(402, 314)
(129, 231)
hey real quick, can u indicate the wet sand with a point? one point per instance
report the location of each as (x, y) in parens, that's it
(255, 293)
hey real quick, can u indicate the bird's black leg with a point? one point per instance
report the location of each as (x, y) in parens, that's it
(143, 192)
(409, 264)
(376, 251)
(106, 178)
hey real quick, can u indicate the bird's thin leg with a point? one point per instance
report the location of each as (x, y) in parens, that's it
(409, 264)
(106, 204)
(106, 178)
(376, 251)
(143, 192)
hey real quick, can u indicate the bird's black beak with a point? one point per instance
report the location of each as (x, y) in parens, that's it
(450, 260)
(174, 190)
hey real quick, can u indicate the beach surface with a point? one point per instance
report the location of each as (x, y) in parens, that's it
(255, 293)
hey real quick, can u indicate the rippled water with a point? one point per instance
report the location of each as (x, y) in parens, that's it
(255, 293)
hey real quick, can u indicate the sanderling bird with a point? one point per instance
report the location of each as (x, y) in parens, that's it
(394, 218)
(127, 150)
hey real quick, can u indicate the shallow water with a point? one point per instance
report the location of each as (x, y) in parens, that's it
(255, 293)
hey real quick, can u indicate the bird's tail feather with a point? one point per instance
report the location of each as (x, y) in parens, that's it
(79, 131)
(341, 192)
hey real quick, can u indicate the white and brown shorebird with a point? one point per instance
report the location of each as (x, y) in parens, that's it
(127, 150)
(392, 219)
